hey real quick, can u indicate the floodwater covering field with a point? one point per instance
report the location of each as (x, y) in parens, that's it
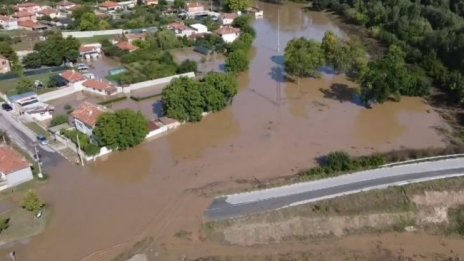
(273, 128)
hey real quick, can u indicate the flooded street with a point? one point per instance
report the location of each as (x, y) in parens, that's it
(273, 128)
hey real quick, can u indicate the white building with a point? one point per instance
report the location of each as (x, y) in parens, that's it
(228, 33)
(227, 18)
(199, 28)
(90, 51)
(14, 168)
(85, 117)
(27, 104)
(8, 23)
(180, 29)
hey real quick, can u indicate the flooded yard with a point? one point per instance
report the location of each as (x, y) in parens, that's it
(273, 128)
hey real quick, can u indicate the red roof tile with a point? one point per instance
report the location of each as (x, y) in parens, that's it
(30, 24)
(48, 11)
(109, 4)
(228, 16)
(99, 85)
(11, 160)
(23, 14)
(227, 30)
(72, 76)
(88, 113)
(126, 46)
(88, 48)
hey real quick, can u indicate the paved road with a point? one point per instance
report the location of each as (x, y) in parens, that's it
(243, 204)
(25, 142)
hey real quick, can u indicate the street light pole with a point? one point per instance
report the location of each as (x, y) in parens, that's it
(38, 160)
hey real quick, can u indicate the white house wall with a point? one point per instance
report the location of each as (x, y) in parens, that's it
(20, 176)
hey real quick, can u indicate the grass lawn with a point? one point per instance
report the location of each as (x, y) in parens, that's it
(8, 87)
(94, 39)
(37, 129)
(23, 224)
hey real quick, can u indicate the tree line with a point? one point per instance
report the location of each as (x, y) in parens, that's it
(428, 35)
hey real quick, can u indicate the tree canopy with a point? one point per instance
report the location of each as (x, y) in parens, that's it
(24, 85)
(186, 99)
(121, 130)
(237, 5)
(31, 202)
(303, 58)
(237, 61)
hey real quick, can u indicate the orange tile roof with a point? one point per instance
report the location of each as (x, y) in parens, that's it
(48, 11)
(72, 76)
(23, 14)
(177, 26)
(99, 85)
(88, 113)
(6, 18)
(86, 49)
(228, 16)
(126, 46)
(227, 30)
(11, 160)
(29, 24)
(109, 4)
(195, 4)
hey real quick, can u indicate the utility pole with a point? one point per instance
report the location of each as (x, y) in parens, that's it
(39, 163)
(79, 150)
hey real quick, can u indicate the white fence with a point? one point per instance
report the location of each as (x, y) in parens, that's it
(87, 34)
(152, 83)
(65, 91)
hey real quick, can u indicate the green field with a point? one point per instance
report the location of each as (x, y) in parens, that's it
(37, 129)
(95, 39)
(8, 87)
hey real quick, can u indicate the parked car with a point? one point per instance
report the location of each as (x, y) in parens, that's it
(7, 107)
(42, 140)
(82, 67)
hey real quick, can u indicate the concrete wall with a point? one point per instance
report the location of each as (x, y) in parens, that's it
(153, 83)
(19, 177)
(82, 127)
(86, 34)
(157, 132)
(64, 91)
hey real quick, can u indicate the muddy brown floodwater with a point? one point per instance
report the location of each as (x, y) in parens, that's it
(273, 128)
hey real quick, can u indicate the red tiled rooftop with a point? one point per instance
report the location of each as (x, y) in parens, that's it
(48, 11)
(30, 24)
(23, 14)
(195, 4)
(126, 46)
(86, 49)
(88, 113)
(99, 85)
(11, 160)
(177, 26)
(228, 16)
(227, 30)
(72, 76)
(6, 18)
(109, 4)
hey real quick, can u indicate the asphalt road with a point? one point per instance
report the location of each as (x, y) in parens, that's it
(244, 204)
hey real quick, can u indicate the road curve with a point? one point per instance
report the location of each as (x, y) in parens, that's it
(243, 204)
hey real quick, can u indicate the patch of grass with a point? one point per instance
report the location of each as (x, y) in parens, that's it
(23, 224)
(37, 129)
(94, 39)
(183, 234)
(456, 218)
(8, 87)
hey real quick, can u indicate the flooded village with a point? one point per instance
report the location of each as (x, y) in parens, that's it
(274, 127)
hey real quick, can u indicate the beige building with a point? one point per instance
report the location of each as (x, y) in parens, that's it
(4, 65)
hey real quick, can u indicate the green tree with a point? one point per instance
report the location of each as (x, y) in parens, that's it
(237, 61)
(133, 128)
(88, 22)
(182, 99)
(58, 120)
(237, 5)
(56, 50)
(303, 58)
(107, 130)
(187, 66)
(164, 40)
(179, 4)
(244, 42)
(8, 52)
(4, 223)
(32, 203)
(32, 60)
(225, 83)
(24, 85)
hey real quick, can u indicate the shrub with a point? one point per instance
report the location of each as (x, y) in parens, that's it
(59, 119)
(32, 203)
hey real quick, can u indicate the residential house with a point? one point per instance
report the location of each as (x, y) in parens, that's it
(50, 12)
(256, 12)
(90, 51)
(4, 65)
(199, 28)
(180, 29)
(195, 8)
(227, 18)
(31, 25)
(126, 46)
(128, 4)
(99, 87)
(73, 78)
(109, 6)
(85, 116)
(65, 5)
(228, 33)
(8, 23)
(150, 2)
(25, 16)
(28, 105)
(28, 7)
(14, 168)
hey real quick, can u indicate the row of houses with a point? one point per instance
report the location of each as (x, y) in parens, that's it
(227, 32)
